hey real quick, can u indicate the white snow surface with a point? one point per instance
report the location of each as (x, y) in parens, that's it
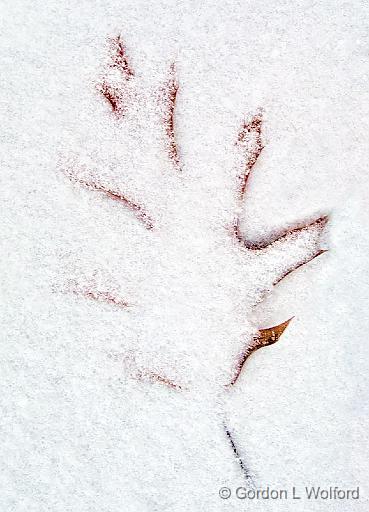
(79, 432)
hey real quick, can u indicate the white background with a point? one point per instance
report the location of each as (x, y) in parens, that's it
(77, 434)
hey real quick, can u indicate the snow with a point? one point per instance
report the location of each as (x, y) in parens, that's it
(79, 431)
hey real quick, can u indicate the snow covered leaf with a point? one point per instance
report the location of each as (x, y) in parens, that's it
(188, 282)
